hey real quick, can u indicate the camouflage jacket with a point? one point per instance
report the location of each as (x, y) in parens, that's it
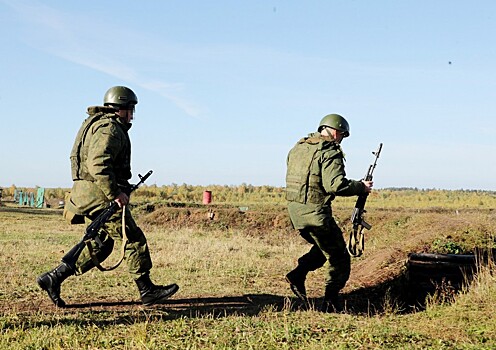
(315, 175)
(100, 161)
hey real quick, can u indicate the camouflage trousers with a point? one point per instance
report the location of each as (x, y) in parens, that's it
(328, 245)
(137, 255)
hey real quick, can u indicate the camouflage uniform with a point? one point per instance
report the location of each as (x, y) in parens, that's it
(100, 162)
(315, 175)
(101, 168)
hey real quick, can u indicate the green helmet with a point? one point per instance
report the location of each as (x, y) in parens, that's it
(337, 122)
(120, 96)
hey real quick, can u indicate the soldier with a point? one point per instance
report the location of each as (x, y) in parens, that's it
(315, 175)
(101, 168)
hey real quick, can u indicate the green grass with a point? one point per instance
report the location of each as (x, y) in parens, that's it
(233, 294)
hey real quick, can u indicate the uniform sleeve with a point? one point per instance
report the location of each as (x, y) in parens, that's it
(334, 179)
(105, 145)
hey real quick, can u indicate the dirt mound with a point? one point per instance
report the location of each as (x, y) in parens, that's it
(395, 234)
(244, 219)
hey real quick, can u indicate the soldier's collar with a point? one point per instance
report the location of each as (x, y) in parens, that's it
(319, 135)
(100, 109)
(125, 125)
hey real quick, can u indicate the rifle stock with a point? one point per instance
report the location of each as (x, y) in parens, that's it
(92, 229)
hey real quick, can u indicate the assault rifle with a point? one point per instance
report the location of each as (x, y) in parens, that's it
(92, 230)
(356, 242)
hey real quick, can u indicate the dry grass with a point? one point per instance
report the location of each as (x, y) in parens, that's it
(233, 294)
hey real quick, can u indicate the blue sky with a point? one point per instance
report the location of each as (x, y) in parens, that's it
(226, 88)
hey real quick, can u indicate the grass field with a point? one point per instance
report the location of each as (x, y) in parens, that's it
(233, 294)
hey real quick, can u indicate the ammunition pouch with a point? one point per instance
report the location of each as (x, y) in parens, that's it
(70, 216)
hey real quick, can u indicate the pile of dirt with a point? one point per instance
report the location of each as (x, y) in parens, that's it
(395, 234)
(244, 219)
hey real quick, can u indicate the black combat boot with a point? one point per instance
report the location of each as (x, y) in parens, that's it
(152, 294)
(51, 281)
(296, 279)
(332, 301)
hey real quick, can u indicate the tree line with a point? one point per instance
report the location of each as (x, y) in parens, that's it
(246, 194)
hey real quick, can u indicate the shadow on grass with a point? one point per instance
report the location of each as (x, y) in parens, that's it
(388, 296)
(393, 295)
(248, 304)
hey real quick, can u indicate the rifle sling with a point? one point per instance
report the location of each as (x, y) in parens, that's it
(356, 242)
(94, 259)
